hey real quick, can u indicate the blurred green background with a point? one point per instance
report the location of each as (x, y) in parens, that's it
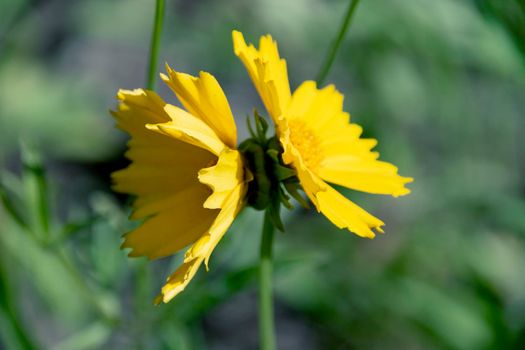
(441, 84)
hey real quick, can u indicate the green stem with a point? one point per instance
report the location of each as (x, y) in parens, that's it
(266, 322)
(330, 56)
(155, 43)
(7, 303)
(36, 187)
(10, 209)
(43, 208)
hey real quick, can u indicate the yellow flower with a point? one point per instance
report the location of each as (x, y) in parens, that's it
(186, 174)
(319, 141)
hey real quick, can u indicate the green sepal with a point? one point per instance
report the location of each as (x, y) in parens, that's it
(275, 213)
(261, 125)
(284, 198)
(263, 158)
(292, 187)
(281, 172)
(259, 189)
(250, 127)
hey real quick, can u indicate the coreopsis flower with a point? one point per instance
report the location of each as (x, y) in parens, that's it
(319, 141)
(187, 176)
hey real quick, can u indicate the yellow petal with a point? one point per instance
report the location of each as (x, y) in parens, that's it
(136, 109)
(145, 180)
(161, 169)
(371, 176)
(231, 207)
(187, 128)
(292, 156)
(320, 109)
(339, 210)
(227, 180)
(178, 281)
(302, 136)
(204, 98)
(178, 155)
(267, 71)
(345, 214)
(189, 183)
(161, 164)
(181, 221)
(222, 178)
(344, 141)
(330, 146)
(201, 251)
(168, 200)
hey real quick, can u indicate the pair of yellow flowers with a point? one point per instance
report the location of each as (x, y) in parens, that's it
(190, 181)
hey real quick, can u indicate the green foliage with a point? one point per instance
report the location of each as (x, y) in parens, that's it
(440, 84)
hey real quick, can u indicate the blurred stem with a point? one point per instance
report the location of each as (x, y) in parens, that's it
(11, 210)
(7, 304)
(330, 55)
(155, 42)
(43, 208)
(36, 187)
(266, 321)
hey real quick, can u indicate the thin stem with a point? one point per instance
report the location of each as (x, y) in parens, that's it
(36, 187)
(43, 208)
(8, 305)
(10, 209)
(266, 322)
(330, 56)
(155, 43)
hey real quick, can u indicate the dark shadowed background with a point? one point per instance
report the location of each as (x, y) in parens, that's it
(440, 84)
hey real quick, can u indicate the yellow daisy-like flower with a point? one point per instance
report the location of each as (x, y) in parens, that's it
(186, 174)
(319, 141)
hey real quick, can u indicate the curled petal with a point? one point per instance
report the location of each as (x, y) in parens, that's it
(267, 71)
(189, 129)
(203, 97)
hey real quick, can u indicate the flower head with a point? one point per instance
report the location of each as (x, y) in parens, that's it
(190, 180)
(186, 174)
(319, 141)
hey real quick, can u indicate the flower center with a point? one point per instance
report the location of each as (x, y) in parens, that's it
(306, 142)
